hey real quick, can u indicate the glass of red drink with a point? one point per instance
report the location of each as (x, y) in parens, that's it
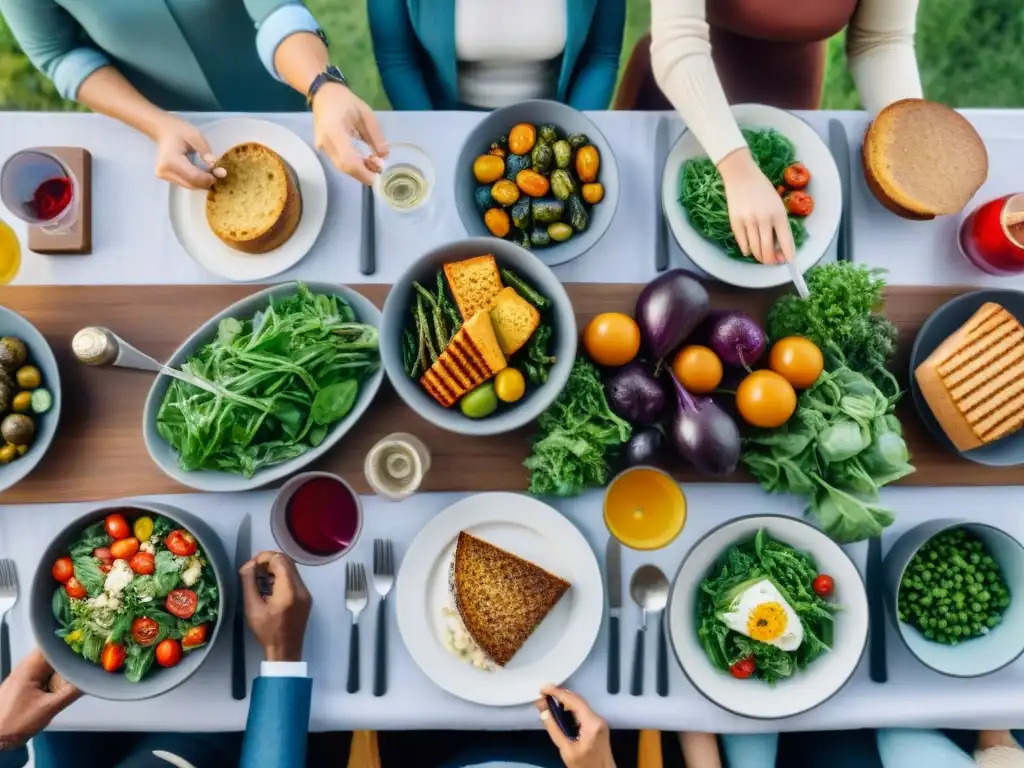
(316, 518)
(40, 189)
(992, 236)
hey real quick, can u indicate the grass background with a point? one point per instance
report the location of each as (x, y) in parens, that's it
(970, 54)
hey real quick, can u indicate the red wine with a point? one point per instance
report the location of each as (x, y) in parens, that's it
(323, 516)
(51, 198)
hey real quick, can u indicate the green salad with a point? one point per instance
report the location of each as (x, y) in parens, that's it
(762, 612)
(281, 380)
(132, 594)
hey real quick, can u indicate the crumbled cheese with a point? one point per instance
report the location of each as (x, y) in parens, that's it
(120, 576)
(192, 572)
(103, 602)
(458, 640)
(148, 546)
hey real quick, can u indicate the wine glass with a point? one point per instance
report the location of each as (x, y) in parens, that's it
(40, 189)
(406, 179)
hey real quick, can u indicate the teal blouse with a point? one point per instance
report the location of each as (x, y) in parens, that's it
(414, 43)
(202, 55)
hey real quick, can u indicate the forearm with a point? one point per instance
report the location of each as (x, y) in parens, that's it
(299, 59)
(107, 92)
(880, 50)
(700, 750)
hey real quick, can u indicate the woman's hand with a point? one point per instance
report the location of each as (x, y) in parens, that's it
(593, 748)
(338, 116)
(175, 140)
(30, 698)
(756, 212)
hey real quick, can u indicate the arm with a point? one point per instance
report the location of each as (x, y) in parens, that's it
(30, 698)
(396, 49)
(700, 750)
(598, 65)
(880, 50)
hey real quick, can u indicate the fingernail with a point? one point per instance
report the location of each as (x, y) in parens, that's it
(220, 173)
(209, 158)
(545, 714)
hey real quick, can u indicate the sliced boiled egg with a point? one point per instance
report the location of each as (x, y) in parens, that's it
(761, 613)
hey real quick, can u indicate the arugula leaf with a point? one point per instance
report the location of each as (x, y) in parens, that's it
(87, 571)
(138, 661)
(166, 572)
(86, 543)
(61, 606)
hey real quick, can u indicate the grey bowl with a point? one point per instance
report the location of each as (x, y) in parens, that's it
(207, 480)
(91, 678)
(980, 655)
(538, 112)
(41, 356)
(1008, 452)
(537, 399)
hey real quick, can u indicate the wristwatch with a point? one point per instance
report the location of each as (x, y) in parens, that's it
(331, 74)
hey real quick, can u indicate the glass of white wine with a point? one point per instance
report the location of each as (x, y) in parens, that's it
(407, 179)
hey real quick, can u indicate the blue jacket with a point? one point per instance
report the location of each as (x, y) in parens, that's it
(278, 724)
(414, 42)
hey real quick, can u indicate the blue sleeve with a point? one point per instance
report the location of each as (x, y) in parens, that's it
(598, 66)
(750, 750)
(53, 42)
(906, 747)
(275, 24)
(396, 49)
(278, 724)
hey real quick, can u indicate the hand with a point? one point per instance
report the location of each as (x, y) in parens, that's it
(30, 698)
(279, 620)
(756, 212)
(175, 139)
(593, 748)
(338, 116)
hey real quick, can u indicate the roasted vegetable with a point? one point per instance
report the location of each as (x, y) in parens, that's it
(13, 352)
(18, 429)
(488, 168)
(6, 394)
(542, 157)
(8, 454)
(563, 154)
(593, 192)
(524, 289)
(521, 214)
(496, 150)
(519, 236)
(539, 237)
(532, 183)
(497, 222)
(578, 140)
(548, 133)
(28, 377)
(505, 192)
(587, 163)
(22, 402)
(521, 138)
(559, 231)
(483, 198)
(577, 214)
(547, 210)
(562, 184)
(514, 164)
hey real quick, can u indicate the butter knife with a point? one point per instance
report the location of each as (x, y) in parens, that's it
(243, 551)
(840, 148)
(660, 225)
(613, 582)
(368, 241)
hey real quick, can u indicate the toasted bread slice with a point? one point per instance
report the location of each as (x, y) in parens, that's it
(500, 597)
(471, 358)
(974, 381)
(480, 343)
(514, 320)
(474, 283)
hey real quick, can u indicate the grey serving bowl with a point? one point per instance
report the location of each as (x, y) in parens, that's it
(41, 356)
(537, 399)
(89, 677)
(944, 321)
(980, 655)
(207, 480)
(538, 112)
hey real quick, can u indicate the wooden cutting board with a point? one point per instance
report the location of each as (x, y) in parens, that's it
(99, 452)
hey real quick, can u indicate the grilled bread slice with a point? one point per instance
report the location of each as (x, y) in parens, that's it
(474, 283)
(974, 381)
(256, 207)
(472, 357)
(500, 597)
(514, 319)
(922, 159)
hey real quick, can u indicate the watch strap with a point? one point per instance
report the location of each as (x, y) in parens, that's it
(331, 74)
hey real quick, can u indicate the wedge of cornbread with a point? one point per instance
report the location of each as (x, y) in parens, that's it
(474, 283)
(514, 319)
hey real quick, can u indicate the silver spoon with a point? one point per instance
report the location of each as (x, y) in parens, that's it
(649, 590)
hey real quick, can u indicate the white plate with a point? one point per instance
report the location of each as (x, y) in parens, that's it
(527, 528)
(807, 688)
(825, 188)
(188, 207)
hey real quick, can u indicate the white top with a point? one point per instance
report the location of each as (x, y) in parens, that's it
(880, 50)
(508, 52)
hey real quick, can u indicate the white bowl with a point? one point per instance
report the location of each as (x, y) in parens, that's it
(825, 188)
(809, 687)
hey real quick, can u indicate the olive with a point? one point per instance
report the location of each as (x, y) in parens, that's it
(29, 377)
(13, 352)
(17, 428)
(22, 402)
(481, 402)
(8, 454)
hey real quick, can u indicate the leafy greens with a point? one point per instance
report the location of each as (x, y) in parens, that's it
(281, 380)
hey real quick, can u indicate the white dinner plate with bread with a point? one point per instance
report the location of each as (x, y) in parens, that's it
(265, 215)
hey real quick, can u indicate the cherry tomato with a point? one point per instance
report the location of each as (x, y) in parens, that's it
(112, 657)
(168, 653)
(124, 549)
(63, 569)
(612, 339)
(765, 399)
(798, 203)
(181, 543)
(797, 360)
(103, 555)
(182, 603)
(781, 190)
(698, 369)
(195, 637)
(743, 668)
(824, 585)
(106, 567)
(117, 527)
(796, 176)
(145, 631)
(142, 563)
(74, 588)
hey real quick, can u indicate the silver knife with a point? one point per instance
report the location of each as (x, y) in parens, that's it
(660, 225)
(840, 148)
(613, 582)
(243, 551)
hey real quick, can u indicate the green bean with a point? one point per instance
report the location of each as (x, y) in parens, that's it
(408, 352)
(524, 289)
(426, 342)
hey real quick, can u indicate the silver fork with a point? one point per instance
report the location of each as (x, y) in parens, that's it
(355, 601)
(8, 597)
(383, 580)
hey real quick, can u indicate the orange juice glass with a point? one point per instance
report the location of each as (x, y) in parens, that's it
(644, 508)
(10, 254)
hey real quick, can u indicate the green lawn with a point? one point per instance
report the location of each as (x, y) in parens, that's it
(969, 50)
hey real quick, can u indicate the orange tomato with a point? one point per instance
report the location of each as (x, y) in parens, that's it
(765, 399)
(797, 360)
(612, 339)
(698, 369)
